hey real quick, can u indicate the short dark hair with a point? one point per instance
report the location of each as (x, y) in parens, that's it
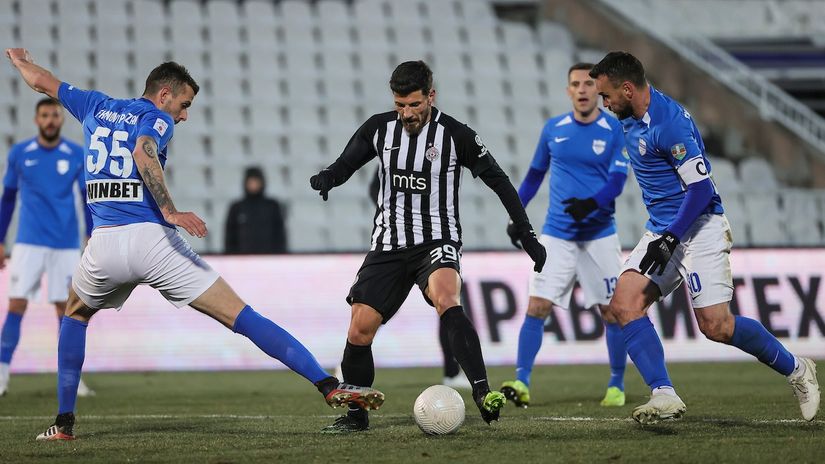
(48, 101)
(410, 76)
(172, 74)
(581, 65)
(620, 67)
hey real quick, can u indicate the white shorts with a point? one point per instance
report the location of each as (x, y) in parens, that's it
(702, 259)
(118, 259)
(30, 262)
(595, 263)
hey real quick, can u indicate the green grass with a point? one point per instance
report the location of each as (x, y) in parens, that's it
(737, 412)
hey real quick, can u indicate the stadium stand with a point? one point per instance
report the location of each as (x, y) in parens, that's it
(284, 85)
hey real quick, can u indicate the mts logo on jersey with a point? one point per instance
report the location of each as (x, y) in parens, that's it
(411, 181)
(114, 190)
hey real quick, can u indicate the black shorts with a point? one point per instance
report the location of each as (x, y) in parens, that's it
(386, 277)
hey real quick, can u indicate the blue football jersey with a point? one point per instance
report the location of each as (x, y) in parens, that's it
(114, 189)
(45, 179)
(667, 153)
(580, 157)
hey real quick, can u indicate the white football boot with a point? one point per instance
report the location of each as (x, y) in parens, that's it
(664, 404)
(806, 388)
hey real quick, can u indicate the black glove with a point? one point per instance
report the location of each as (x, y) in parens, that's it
(514, 235)
(534, 249)
(578, 208)
(323, 182)
(658, 254)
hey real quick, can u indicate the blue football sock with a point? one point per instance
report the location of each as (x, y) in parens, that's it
(751, 337)
(617, 352)
(529, 343)
(278, 343)
(646, 351)
(10, 336)
(71, 350)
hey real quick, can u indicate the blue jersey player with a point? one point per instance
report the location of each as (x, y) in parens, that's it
(44, 170)
(135, 240)
(582, 149)
(688, 239)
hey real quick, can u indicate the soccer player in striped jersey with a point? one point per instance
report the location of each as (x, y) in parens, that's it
(417, 235)
(583, 151)
(688, 239)
(44, 170)
(135, 239)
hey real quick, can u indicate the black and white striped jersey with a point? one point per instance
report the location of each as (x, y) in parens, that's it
(419, 176)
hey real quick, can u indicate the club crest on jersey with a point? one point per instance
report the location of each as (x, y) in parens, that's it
(642, 146)
(598, 146)
(678, 151)
(62, 166)
(431, 153)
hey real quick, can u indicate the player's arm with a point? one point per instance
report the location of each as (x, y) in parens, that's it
(38, 78)
(616, 177)
(146, 160)
(87, 212)
(8, 202)
(358, 152)
(689, 162)
(474, 155)
(532, 181)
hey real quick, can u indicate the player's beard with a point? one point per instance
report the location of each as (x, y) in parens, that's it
(623, 112)
(413, 127)
(50, 134)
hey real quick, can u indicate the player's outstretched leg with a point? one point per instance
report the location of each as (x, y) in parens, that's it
(281, 345)
(750, 336)
(71, 351)
(467, 348)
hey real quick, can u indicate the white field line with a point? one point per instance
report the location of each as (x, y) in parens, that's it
(272, 417)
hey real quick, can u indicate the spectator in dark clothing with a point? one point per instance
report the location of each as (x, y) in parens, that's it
(255, 224)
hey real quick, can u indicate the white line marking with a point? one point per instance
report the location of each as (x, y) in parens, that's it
(732, 420)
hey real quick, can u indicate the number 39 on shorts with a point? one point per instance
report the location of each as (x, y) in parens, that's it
(445, 253)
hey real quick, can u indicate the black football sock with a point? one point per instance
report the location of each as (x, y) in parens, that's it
(358, 369)
(451, 368)
(467, 349)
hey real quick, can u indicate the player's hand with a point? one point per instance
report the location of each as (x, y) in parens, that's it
(2, 256)
(534, 249)
(19, 54)
(658, 254)
(323, 182)
(514, 235)
(579, 208)
(190, 222)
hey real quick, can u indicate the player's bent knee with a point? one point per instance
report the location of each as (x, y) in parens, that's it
(539, 307)
(716, 330)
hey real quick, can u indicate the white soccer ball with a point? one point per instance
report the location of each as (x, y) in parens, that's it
(439, 410)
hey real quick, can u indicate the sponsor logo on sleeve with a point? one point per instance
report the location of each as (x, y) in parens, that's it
(160, 126)
(678, 151)
(483, 147)
(625, 154)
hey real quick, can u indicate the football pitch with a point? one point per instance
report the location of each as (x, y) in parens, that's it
(737, 412)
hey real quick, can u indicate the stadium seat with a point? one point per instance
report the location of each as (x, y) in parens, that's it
(803, 217)
(756, 174)
(724, 177)
(767, 229)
